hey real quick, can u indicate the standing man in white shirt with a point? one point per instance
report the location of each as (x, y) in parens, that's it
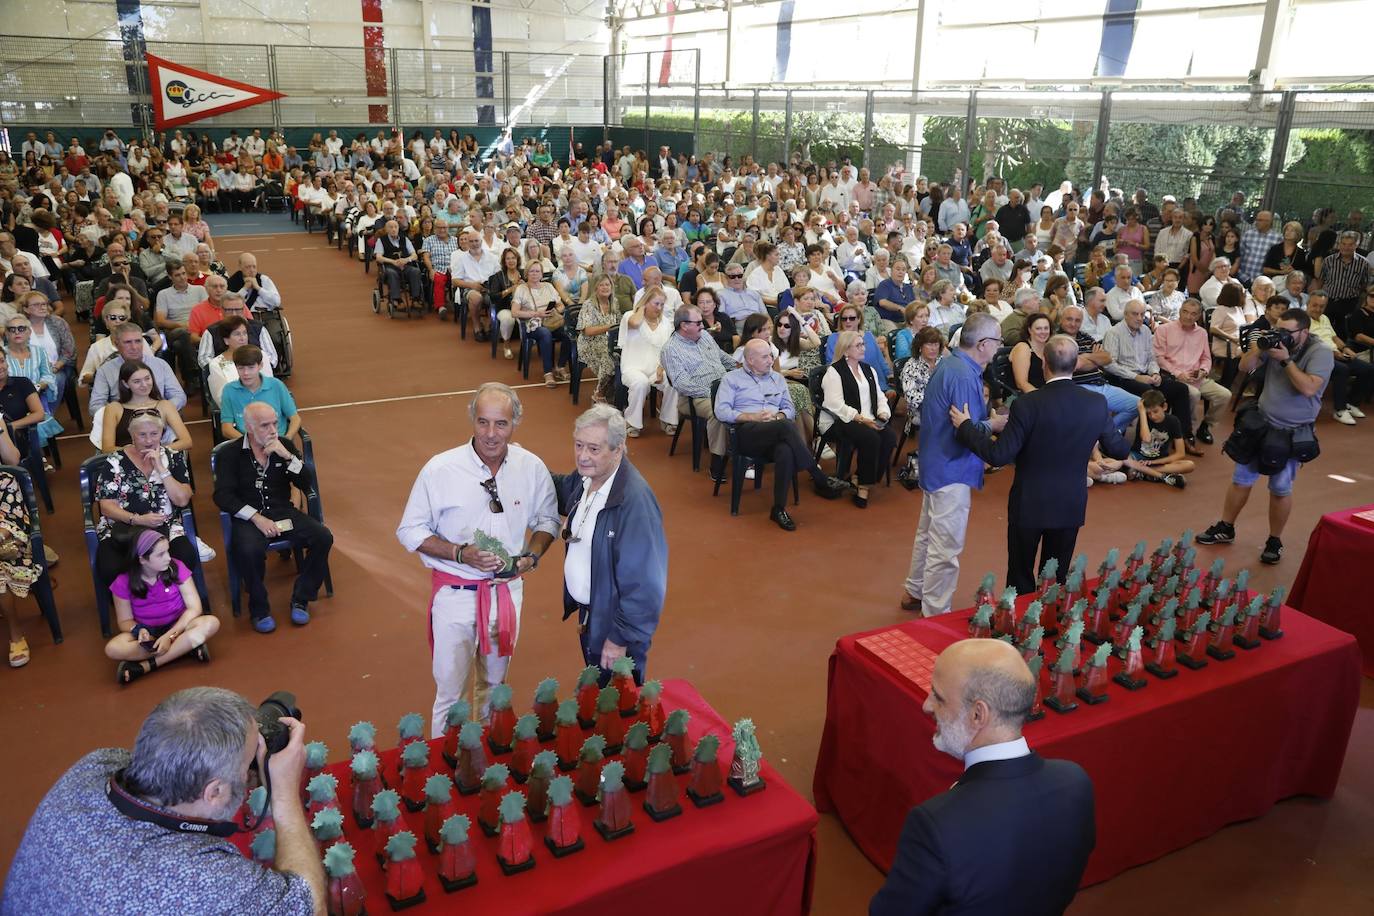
(953, 211)
(500, 491)
(615, 573)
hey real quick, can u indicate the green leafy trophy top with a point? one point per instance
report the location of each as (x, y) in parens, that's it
(608, 700)
(560, 791)
(1033, 640)
(1078, 608)
(660, 759)
(1133, 641)
(1074, 634)
(401, 846)
(623, 666)
(386, 806)
(1034, 610)
(677, 722)
(501, 696)
(637, 736)
(612, 777)
(411, 726)
(338, 860)
(1099, 658)
(567, 713)
(316, 754)
(593, 749)
(362, 736)
(454, 829)
(264, 845)
(438, 789)
(470, 735)
(364, 764)
(1203, 621)
(257, 801)
(512, 807)
(322, 788)
(415, 755)
(1050, 569)
(547, 691)
(1064, 663)
(483, 541)
(495, 777)
(327, 825)
(588, 676)
(746, 741)
(1167, 628)
(526, 727)
(983, 616)
(543, 765)
(706, 749)
(457, 714)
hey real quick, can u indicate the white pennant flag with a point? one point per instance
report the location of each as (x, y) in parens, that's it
(184, 94)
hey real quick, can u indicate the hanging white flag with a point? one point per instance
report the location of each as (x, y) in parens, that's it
(184, 94)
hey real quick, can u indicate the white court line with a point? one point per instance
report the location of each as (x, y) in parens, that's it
(407, 397)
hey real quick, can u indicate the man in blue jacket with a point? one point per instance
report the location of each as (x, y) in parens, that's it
(616, 571)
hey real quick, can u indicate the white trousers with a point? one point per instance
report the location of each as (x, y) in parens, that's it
(934, 572)
(507, 322)
(638, 384)
(454, 623)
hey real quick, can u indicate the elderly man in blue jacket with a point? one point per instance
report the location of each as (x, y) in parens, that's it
(616, 570)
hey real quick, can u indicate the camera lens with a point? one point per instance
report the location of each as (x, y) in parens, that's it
(274, 734)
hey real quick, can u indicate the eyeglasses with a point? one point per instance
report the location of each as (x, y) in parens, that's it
(784, 326)
(734, 276)
(17, 328)
(849, 318)
(692, 321)
(983, 340)
(490, 486)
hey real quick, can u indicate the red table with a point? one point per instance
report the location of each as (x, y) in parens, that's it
(1170, 764)
(1325, 588)
(752, 855)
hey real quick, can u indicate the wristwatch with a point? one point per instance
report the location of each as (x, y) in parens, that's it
(1284, 363)
(533, 558)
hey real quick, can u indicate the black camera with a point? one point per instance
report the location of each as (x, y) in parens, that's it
(274, 734)
(1275, 337)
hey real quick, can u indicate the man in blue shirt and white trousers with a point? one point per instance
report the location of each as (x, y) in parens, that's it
(949, 471)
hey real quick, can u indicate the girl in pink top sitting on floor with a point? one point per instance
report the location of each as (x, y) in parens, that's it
(158, 610)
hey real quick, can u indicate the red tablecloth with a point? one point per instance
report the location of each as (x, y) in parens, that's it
(1170, 764)
(745, 855)
(1339, 549)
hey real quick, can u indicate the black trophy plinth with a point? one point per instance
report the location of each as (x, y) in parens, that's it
(1266, 633)
(586, 800)
(705, 801)
(363, 822)
(488, 829)
(567, 767)
(586, 724)
(561, 851)
(413, 807)
(508, 869)
(610, 835)
(1160, 671)
(1087, 696)
(1244, 642)
(1054, 703)
(1192, 664)
(1220, 653)
(453, 886)
(450, 760)
(408, 902)
(1130, 683)
(636, 785)
(499, 749)
(660, 816)
(536, 817)
(743, 788)
(469, 788)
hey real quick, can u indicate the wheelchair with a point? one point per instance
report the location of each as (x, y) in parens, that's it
(380, 297)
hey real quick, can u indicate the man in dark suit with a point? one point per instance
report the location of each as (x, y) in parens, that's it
(1050, 435)
(663, 166)
(1014, 833)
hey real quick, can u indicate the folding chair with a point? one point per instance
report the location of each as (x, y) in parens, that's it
(281, 545)
(42, 588)
(739, 462)
(698, 429)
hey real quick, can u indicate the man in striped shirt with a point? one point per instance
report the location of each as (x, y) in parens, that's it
(437, 251)
(1344, 276)
(1255, 243)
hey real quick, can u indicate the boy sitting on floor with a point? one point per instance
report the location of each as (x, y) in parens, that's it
(1158, 455)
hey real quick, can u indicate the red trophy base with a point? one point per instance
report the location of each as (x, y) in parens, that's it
(1270, 629)
(1219, 647)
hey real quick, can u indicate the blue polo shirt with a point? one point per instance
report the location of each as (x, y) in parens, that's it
(235, 398)
(957, 381)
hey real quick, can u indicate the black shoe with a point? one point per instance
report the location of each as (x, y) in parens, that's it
(860, 501)
(1220, 533)
(831, 488)
(1174, 480)
(783, 520)
(1273, 551)
(1204, 434)
(717, 469)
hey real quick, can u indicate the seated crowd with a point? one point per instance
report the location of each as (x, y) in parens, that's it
(802, 307)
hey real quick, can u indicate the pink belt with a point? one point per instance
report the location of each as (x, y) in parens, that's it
(505, 610)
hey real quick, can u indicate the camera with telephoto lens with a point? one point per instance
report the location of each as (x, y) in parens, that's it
(1274, 337)
(274, 734)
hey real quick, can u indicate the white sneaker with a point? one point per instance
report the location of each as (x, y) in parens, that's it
(749, 473)
(1343, 416)
(1090, 481)
(1355, 412)
(207, 553)
(827, 454)
(1113, 477)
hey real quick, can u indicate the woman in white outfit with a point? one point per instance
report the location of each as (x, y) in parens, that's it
(643, 334)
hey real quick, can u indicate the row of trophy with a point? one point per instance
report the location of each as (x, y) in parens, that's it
(653, 751)
(1161, 605)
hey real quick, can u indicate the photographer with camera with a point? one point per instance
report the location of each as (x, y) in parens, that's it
(144, 832)
(1274, 434)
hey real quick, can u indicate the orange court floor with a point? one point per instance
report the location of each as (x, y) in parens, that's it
(751, 616)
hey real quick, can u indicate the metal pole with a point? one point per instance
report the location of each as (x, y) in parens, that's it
(395, 92)
(868, 130)
(605, 98)
(1104, 129)
(729, 38)
(505, 85)
(1282, 130)
(787, 130)
(754, 136)
(915, 130)
(272, 76)
(970, 138)
(696, 104)
(648, 76)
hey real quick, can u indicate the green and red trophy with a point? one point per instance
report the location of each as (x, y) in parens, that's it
(613, 820)
(980, 624)
(362, 737)
(327, 828)
(1248, 636)
(1161, 663)
(661, 801)
(263, 849)
(316, 756)
(495, 781)
(608, 720)
(1192, 606)
(404, 879)
(526, 746)
(1194, 654)
(588, 688)
(457, 716)
(568, 736)
(1052, 609)
(1070, 643)
(651, 709)
(440, 805)
(986, 589)
(704, 786)
(1029, 621)
(1030, 646)
(322, 793)
(1063, 685)
(1108, 565)
(259, 815)
(1272, 627)
(675, 731)
(367, 782)
(414, 771)
(565, 823)
(501, 728)
(515, 848)
(546, 707)
(1130, 675)
(386, 820)
(589, 763)
(541, 775)
(1004, 615)
(472, 759)
(457, 864)
(1094, 687)
(346, 895)
(1220, 646)
(635, 756)
(623, 680)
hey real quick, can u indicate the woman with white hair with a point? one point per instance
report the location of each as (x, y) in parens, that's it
(643, 334)
(857, 412)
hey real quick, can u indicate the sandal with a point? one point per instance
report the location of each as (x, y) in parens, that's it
(128, 672)
(201, 654)
(19, 653)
